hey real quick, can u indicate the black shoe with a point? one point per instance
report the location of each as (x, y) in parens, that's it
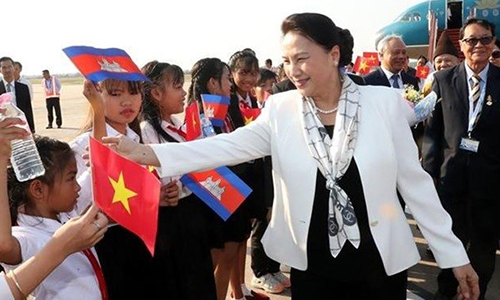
(48, 127)
(58, 126)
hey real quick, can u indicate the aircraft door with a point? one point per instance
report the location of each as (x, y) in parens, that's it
(454, 14)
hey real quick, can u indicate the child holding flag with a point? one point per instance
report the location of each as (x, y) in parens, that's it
(182, 253)
(115, 105)
(39, 207)
(211, 76)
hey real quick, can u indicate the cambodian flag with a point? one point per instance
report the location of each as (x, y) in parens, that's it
(220, 189)
(215, 108)
(100, 64)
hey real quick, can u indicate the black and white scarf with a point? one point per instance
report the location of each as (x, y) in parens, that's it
(333, 157)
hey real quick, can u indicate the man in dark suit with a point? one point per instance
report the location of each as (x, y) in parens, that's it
(461, 151)
(20, 91)
(392, 51)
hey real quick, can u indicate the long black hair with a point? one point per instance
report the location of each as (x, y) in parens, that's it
(202, 71)
(157, 72)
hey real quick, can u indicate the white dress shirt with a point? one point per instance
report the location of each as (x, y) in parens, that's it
(74, 278)
(482, 86)
(12, 90)
(389, 75)
(150, 136)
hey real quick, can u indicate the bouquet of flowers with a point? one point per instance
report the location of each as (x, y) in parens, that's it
(412, 95)
(422, 104)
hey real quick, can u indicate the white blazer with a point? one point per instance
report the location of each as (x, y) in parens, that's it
(387, 159)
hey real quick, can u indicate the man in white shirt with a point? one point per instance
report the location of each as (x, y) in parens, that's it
(18, 68)
(52, 88)
(392, 52)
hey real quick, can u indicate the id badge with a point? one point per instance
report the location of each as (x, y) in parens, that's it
(469, 144)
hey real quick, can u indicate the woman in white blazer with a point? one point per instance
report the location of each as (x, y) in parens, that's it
(339, 152)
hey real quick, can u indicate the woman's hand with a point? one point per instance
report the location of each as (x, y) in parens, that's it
(9, 132)
(142, 154)
(169, 194)
(468, 282)
(81, 233)
(92, 92)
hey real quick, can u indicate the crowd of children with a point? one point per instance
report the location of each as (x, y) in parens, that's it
(197, 255)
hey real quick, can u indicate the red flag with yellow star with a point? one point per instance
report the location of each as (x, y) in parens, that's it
(249, 114)
(362, 66)
(193, 122)
(422, 72)
(372, 58)
(126, 192)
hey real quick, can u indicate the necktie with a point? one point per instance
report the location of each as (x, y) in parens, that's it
(9, 87)
(395, 83)
(476, 90)
(176, 130)
(98, 273)
(244, 104)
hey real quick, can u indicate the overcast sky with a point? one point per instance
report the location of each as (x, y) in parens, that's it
(179, 31)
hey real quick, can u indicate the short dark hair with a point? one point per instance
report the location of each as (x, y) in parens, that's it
(46, 71)
(425, 58)
(265, 75)
(6, 58)
(16, 63)
(269, 61)
(481, 22)
(321, 29)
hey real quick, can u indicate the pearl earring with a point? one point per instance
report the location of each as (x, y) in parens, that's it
(336, 63)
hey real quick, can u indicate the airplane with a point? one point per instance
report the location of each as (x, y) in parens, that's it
(412, 24)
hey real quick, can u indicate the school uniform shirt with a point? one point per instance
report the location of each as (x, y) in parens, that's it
(5, 293)
(150, 136)
(83, 176)
(73, 279)
(81, 142)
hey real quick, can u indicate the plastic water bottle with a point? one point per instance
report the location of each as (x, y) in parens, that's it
(206, 126)
(24, 158)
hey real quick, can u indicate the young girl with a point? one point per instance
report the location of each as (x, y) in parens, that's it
(245, 72)
(125, 259)
(182, 253)
(38, 208)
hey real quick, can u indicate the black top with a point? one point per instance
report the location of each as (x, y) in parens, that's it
(351, 263)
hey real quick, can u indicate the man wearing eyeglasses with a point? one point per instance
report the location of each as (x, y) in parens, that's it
(495, 55)
(461, 151)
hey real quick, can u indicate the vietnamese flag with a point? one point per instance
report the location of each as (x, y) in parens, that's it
(100, 64)
(215, 108)
(220, 189)
(422, 72)
(362, 66)
(249, 114)
(372, 58)
(193, 122)
(126, 192)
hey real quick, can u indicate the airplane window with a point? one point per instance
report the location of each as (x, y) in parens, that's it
(405, 18)
(416, 17)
